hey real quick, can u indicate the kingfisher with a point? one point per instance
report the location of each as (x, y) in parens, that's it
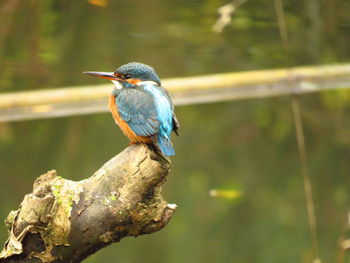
(140, 106)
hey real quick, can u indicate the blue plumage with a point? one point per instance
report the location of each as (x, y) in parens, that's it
(165, 146)
(137, 108)
(165, 117)
(149, 112)
(142, 104)
(141, 71)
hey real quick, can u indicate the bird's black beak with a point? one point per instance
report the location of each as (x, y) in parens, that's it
(104, 75)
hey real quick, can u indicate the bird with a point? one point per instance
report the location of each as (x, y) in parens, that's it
(140, 106)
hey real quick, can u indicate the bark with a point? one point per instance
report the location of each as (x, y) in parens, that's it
(66, 221)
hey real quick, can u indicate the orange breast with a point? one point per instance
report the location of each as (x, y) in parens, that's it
(123, 125)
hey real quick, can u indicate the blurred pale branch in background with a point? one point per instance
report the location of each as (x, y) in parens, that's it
(225, 12)
(190, 90)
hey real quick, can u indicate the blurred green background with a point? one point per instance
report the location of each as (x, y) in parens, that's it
(247, 147)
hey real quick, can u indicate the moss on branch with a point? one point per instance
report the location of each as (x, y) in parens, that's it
(66, 221)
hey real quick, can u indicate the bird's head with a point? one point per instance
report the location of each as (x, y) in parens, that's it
(128, 75)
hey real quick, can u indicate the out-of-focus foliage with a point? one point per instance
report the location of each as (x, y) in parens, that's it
(225, 194)
(246, 146)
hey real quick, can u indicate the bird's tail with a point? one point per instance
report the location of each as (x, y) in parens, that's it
(165, 146)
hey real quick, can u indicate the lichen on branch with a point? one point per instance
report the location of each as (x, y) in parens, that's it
(66, 221)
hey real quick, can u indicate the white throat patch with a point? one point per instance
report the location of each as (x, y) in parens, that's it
(117, 85)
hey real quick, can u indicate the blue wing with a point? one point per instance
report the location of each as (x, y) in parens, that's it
(164, 107)
(138, 109)
(148, 110)
(165, 113)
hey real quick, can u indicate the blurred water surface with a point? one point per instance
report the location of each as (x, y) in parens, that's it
(245, 147)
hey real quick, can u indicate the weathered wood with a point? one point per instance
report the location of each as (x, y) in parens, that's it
(190, 90)
(66, 221)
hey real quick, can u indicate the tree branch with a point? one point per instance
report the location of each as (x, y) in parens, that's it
(66, 221)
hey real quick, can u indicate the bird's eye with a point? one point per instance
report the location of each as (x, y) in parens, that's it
(127, 76)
